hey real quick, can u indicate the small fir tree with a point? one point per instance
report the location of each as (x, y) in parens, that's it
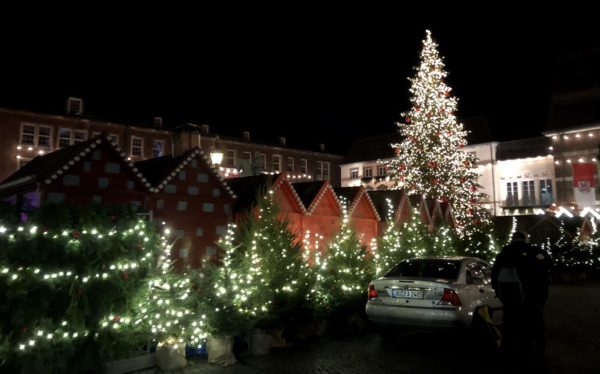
(276, 258)
(348, 267)
(67, 280)
(388, 249)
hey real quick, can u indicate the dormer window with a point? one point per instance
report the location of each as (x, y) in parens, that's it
(74, 106)
(158, 121)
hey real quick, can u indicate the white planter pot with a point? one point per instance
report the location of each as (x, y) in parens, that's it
(220, 350)
(259, 342)
(130, 364)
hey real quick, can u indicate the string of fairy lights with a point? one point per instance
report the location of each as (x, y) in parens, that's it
(429, 160)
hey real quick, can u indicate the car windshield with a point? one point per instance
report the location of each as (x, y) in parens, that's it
(426, 268)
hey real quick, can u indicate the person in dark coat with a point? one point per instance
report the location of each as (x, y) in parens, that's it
(523, 295)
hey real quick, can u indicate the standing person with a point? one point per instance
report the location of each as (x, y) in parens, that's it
(520, 279)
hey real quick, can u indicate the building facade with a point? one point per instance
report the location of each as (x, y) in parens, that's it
(27, 135)
(239, 157)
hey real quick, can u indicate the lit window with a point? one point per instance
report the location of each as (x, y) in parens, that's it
(158, 148)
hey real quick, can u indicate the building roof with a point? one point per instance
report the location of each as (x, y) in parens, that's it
(379, 199)
(307, 191)
(248, 190)
(159, 171)
(523, 148)
(348, 193)
(372, 148)
(351, 194)
(574, 109)
(48, 167)
(478, 130)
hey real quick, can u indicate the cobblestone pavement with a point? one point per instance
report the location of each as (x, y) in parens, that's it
(368, 353)
(573, 346)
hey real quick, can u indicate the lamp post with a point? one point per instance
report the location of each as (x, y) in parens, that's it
(216, 155)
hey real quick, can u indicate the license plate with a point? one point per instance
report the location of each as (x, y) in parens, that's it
(407, 294)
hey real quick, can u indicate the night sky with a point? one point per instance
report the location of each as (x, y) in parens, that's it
(315, 76)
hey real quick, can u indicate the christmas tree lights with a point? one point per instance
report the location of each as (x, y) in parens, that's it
(388, 249)
(430, 160)
(347, 267)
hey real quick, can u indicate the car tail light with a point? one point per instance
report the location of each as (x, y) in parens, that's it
(450, 297)
(372, 292)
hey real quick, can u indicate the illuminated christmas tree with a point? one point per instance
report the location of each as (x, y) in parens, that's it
(67, 280)
(276, 260)
(430, 160)
(388, 249)
(229, 290)
(348, 267)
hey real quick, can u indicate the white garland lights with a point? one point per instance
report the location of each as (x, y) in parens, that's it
(157, 322)
(430, 161)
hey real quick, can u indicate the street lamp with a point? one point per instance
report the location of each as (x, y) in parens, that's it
(216, 155)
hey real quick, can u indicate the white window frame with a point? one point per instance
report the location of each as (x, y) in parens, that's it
(290, 165)
(276, 163)
(325, 170)
(230, 156)
(549, 190)
(23, 125)
(381, 170)
(68, 139)
(261, 161)
(75, 140)
(132, 146)
(368, 171)
(36, 135)
(22, 162)
(528, 192)
(354, 173)
(303, 166)
(247, 156)
(162, 147)
(512, 193)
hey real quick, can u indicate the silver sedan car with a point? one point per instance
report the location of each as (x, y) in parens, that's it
(434, 292)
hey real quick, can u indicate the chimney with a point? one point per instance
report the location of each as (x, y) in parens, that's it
(74, 106)
(282, 140)
(322, 147)
(246, 135)
(204, 130)
(158, 121)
